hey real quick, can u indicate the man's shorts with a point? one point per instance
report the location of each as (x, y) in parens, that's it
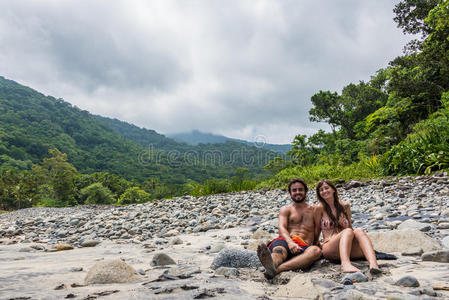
(283, 243)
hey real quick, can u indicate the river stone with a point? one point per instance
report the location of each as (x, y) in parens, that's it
(402, 241)
(412, 224)
(355, 277)
(62, 247)
(217, 247)
(176, 241)
(162, 259)
(407, 281)
(438, 256)
(261, 234)
(236, 258)
(225, 271)
(445, 242)
(444, 225)
(89, 243)
(110, 271)
(350, 295)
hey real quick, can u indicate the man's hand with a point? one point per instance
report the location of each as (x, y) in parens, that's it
(294, 248)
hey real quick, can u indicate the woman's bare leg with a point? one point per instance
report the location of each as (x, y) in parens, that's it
(340, 247)
(364, 243)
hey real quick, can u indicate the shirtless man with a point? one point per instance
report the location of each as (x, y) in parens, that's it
(294, 248)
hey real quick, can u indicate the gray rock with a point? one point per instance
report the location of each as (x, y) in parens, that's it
(182, 272)
(162, 259)
(236, 258)
(412, 224)
(445, 242)
(415, 251)
(438, 256)
(402, 297)
(217, 247)
(402, 241)
(407, 281)
(89, 243)
(176, 241)
(444, 225)
(26, 249)
(355, 277)
(225, 271)
(110, 271)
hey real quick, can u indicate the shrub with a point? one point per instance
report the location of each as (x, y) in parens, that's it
(96, 193)
(134, 195)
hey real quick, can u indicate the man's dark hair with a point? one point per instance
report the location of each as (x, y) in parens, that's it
(295, 180)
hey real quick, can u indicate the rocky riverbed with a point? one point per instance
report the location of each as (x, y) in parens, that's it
(203, 247)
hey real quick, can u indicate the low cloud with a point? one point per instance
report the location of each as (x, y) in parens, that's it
(243, 69)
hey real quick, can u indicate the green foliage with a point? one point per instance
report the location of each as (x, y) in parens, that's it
(134, 195)
(314, 173)
(59, 174)
(424, 150)
(96, 193)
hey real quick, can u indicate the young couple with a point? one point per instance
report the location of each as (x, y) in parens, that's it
(300, 226)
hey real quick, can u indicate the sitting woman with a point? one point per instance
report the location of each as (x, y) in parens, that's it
(340, 240)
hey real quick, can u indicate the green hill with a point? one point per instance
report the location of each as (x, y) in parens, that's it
(32, 123)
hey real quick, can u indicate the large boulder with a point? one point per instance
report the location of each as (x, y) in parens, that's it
(402, 240)
(236, 258)
(438, 256)
(111, 271)
(412, 224)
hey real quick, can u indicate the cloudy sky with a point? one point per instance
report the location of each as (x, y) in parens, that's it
(243, 68)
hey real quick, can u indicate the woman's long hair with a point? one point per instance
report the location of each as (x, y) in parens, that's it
(337, 204)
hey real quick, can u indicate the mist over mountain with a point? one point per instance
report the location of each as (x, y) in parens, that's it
(196, 137)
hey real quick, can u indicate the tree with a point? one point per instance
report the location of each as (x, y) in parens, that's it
(327, 108)
(410, 16)
(59, 173)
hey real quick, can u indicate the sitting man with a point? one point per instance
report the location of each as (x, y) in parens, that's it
(294, 248)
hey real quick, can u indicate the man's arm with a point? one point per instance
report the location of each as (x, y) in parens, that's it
(283, 230)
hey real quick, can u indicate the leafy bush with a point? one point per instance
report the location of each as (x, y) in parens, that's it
(96, 193)
(425, 150)
(134, 195)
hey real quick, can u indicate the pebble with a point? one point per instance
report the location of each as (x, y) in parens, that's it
(407, 281)
(354, 277)
(162, 259)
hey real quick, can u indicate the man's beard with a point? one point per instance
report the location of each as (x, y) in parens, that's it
(298, 200)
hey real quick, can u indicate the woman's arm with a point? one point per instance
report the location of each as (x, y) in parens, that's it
(347, 208)
(317, 214)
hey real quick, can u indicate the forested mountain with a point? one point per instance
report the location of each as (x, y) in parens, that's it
(196, 137)
(31, 124)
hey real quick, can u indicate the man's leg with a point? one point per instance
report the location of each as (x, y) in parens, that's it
(301, 261)
(271, 260)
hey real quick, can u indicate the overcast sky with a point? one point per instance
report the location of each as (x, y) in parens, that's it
(243, 68)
